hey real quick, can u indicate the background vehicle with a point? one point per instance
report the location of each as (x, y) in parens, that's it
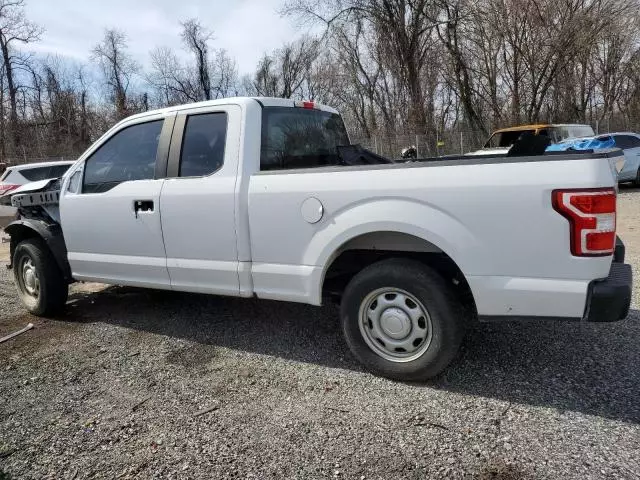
(629, 143)
(253, 197)
(17, 175)
(502, 140)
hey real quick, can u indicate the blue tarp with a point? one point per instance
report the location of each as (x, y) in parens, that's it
(591, 143)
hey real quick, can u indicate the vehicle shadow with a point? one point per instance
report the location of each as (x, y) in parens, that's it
(628, 187)
(588, 368)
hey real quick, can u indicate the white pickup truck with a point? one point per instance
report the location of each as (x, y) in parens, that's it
(259, 197)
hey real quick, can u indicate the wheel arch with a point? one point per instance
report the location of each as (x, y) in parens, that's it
(362, 250)
(23, 229)
(405, 226)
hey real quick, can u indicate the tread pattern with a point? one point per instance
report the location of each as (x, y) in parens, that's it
(53, 288)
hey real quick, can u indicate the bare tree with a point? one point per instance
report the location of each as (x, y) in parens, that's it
(14, 29)
(224, 75)
(284, 72)
(392, 67)
(196, 38)
(170, 79)
(395, 35)
(117, 67)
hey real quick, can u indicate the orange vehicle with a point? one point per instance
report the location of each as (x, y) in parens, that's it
(501, 140)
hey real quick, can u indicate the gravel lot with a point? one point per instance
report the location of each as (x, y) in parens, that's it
(142, 384)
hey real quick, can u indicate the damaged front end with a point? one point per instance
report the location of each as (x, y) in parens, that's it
(38, 205)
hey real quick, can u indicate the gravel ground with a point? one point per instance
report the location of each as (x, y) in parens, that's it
(6, 215)
(142, 384)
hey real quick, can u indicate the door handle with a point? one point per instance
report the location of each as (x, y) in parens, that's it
(142, 206)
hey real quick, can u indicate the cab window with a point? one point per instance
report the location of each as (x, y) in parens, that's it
(203, 144)
(128, 155)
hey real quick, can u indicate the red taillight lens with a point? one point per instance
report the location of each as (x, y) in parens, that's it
(592, 218)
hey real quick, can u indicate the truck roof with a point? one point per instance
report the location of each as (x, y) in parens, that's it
(264, 101)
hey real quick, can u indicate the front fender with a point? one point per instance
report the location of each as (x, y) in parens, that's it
(24, 228)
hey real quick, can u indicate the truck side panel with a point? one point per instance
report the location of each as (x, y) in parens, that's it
(495, 220)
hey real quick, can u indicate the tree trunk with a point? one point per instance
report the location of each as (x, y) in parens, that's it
(13, 114)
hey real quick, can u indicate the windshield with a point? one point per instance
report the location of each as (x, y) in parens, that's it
(505, 139)
(562, 132)
(300, 138)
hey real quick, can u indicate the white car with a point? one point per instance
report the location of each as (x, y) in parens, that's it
(263, 197)
(18, 175)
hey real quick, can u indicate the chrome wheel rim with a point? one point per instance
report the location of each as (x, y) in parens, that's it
(29, 276)
(395, 324)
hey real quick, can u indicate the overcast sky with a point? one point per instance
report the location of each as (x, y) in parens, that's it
(245, 28)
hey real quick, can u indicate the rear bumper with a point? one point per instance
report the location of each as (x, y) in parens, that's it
(609, 299)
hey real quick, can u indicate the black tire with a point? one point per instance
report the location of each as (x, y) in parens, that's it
(636, 182)
(445, 314)
(50, 295)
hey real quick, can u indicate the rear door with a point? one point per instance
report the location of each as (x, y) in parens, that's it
(198, 201)
(109, 207)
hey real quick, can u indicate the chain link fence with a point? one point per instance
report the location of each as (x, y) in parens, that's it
(430, 145)
(454, 142)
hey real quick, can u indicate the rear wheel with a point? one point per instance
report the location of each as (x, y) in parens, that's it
(636, 182)
(402, 320)
(41, 285)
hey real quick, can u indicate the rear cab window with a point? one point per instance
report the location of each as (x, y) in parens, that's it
(300, 138)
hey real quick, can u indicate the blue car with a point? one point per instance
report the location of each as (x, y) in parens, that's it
(628, 142)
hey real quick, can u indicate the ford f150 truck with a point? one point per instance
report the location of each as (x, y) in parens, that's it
(261, 197)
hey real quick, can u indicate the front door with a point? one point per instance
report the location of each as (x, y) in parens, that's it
(198, 201)
(109, 207)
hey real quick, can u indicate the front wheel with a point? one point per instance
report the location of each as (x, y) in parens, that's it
(402, 320)
(636, 182)
(41, 285)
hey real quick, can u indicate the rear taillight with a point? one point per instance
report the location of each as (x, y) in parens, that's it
(7, 187)
(592, 219)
